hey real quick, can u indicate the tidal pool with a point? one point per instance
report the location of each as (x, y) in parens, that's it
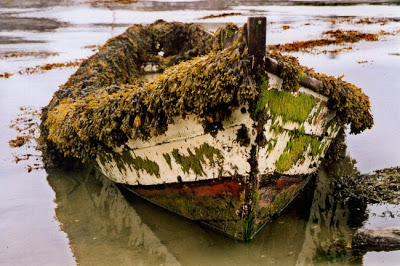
(58, 217)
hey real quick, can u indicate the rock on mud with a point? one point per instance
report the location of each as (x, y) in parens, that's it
(377, 239)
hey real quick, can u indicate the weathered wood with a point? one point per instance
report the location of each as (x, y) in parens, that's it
(256, 38)
(272, 66)
(256, 41)
(311, 83)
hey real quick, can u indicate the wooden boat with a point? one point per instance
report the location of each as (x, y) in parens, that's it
(227, 139)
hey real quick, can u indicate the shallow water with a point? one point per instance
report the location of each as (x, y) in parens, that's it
(101, 226)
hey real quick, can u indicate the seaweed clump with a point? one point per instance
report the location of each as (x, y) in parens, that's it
(382, 186)
(101, 106)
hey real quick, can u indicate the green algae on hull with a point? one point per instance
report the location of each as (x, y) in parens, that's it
(167, 158)
(216, 203)
(126, 159)
(295, 150)
(281, 199)
(194, 161)
(287, 106)
(314, 119)
(146, 165)
(249, 222)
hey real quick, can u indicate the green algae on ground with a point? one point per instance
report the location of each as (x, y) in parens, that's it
(194, 161)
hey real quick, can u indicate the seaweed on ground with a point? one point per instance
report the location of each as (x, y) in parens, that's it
(5, 75)
(382, 186)
(221, 15)
(332, 37)
(27, 54)
(49, 66)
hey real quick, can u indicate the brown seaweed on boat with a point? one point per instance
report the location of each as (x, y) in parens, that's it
(103, 105)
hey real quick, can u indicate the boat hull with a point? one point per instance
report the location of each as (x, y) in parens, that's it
(224, 204)
(228, 181)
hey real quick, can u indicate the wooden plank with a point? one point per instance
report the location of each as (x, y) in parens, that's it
(256, 38)
(271, 65)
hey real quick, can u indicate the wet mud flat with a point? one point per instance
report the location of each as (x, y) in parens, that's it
(27, 208)
(9, 23)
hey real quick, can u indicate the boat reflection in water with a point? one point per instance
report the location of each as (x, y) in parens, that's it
(108, 225)
(101, 225)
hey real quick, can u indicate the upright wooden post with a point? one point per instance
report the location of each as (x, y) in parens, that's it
(256, 38)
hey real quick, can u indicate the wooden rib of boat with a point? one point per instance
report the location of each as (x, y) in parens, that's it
(230, 158)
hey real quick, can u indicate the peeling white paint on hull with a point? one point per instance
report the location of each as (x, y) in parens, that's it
(186, 154)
